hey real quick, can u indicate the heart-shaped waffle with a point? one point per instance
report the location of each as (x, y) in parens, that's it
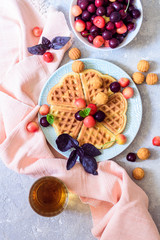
(115, 111)
(89, 91)
(99, 136)
(64, 120)
(66, 91)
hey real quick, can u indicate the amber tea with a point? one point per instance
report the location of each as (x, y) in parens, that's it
(48, 196)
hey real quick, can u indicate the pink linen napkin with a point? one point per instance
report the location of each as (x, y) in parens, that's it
(119, 207)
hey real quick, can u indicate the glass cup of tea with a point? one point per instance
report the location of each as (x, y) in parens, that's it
(48, 196)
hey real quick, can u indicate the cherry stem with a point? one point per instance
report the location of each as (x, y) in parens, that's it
(107, 143)
(127, 6)
(87, 34)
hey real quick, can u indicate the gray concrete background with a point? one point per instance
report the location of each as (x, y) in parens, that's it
(18, 221)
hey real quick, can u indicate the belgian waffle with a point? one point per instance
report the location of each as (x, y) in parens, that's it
(66, 91)
(115, 111)
(99, 136)
(90, 93)
(64, 120)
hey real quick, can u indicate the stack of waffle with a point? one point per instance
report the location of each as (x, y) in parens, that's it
(72, 86)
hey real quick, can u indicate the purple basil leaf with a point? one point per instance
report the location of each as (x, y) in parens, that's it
(89, 163)
(74, 141)
(90, 150)
(56, 46)
(37, 49)
(72, 159)
(59, 42)
(80, 152)
(65, 142)
(45, 41)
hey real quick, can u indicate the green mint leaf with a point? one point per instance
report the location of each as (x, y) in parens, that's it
(50, 118)
(81, 113)
(87, 111)
(84, 113)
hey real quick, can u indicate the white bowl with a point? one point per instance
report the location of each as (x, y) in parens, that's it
(131, 35)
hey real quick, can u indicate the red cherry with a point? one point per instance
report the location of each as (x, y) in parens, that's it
(32, 127)
(79, 25)
(110, 26)
(88, 25)
(85, 33)
(156, 141)
(121, 139)
(128, 92)
(90, 38)
(89, 121)
(93, 108)
(122, 29)
(124, 82)
(80, 103)
(113, 31)
(99, 22)
(106, 43)
(130, 26)
(37, 31)
(76, 10)
(119, 24)
(98, 41)
(99, 3)
(91, 8)
(44, 109)
(48, 57)
(123, 13)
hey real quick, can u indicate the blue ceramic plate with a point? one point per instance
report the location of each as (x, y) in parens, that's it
(134, 112)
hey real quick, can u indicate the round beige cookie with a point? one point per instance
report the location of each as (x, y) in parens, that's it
(151, 78)
(143, 153)
(138, 173)
(96, 82)
(143, 66)
(74, 53)
(77, 66)
(138, 77)
(101, 98)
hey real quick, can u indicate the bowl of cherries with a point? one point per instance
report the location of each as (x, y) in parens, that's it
(106, 24)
